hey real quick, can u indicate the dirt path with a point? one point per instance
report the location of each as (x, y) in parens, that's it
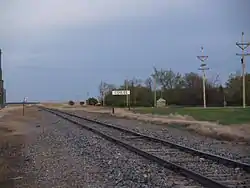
(14, 131)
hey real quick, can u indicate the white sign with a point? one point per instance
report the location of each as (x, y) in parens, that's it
(121, 92)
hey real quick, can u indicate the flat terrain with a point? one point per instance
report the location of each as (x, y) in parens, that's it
(224, 116)
(67, 156)
(42, 150)
(14, 131)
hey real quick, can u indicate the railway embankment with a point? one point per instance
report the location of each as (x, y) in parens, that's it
(224, 126)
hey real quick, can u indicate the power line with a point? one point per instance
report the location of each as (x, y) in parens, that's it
(203, 68)
(243, 46)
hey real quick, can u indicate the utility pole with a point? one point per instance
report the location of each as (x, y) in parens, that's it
(87, 100)
(243, 46)
(24, 101)
(127, 99)
(103, 98)
(154, 91)
(203, 68)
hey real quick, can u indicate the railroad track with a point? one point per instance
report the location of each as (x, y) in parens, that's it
(207, 169)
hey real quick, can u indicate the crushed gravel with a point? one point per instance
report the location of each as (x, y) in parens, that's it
(62, 154)
(233, 150)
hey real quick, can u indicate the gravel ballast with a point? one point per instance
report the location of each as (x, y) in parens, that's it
(62, 154)
(232, 150)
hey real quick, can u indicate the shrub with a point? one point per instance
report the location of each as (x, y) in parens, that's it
(71, 103)
(82, 103)
(92, 101)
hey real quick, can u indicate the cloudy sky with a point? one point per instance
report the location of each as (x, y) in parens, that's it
(61, 49)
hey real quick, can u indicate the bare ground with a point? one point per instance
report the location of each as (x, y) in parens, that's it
(13, 130)
(211, 129)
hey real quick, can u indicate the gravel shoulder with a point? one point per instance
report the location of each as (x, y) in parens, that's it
(239, 133)
(231, 149)
(62, 154)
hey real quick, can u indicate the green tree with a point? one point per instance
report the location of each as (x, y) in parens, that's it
(167, 78)
(234, 89)
(184, 90)
(92, 101)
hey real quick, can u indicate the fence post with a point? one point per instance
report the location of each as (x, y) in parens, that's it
(23, 108)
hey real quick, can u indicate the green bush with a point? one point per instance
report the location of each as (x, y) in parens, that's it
(82, 103)
(92, 101)
(71, 103)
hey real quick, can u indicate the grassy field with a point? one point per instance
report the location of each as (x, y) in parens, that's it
(226, 116)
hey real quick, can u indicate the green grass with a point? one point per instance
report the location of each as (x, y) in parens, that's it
(226, 116)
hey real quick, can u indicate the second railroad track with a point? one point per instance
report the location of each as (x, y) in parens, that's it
(207, 169)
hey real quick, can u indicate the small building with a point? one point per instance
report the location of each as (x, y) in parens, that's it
(161, 102)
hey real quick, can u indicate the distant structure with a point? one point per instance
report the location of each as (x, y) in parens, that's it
(160, 102)
(2, 90)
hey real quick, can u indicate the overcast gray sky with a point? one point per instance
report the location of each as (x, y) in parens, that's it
(62, 49)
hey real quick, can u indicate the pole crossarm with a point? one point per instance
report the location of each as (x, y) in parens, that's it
(203, 68)
(202, 58)
(243, 45)
(243, 54)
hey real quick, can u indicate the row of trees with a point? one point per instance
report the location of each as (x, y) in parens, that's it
(89, 101)
(178, 89)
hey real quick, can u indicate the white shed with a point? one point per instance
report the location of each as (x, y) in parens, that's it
(161, 102)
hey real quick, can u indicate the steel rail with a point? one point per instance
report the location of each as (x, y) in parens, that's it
(206, 155)
(181, 170)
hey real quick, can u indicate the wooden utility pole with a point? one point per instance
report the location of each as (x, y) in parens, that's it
(243, 46)
(127, 97)
(103, 98)
(87, 100)
(154, 91)
(203, 68)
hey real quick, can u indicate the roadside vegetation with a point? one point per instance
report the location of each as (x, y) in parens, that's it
(224, 115)
(179, 90)
(183, 95)
(223, 118)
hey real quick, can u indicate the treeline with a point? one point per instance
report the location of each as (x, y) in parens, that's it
(178, 89)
